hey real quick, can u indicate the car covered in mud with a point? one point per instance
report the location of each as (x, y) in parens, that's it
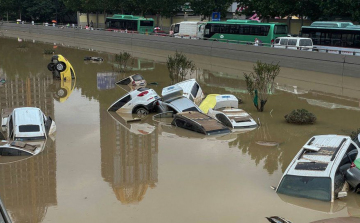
(141, 101)
(199, 122)
(134, 82)
(174, 100)
(225, 109)
(61, 68)
(318, 170)
(191, 90)
(26, 123)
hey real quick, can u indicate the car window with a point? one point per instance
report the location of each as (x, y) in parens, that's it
(305, 42)
(190, 109)
(8, 151)
(137, 77)
(277, 40)
(29, 128)
(306, 187)
(195, 90)
(125, 99)
(284, 41)
(223, 119)
(292, 42)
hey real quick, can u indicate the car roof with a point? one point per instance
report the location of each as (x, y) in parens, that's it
(27, 116)
(292, 38)
(182, 103)
(318, 156)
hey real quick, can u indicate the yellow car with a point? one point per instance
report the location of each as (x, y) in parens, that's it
(61, 68)
(63, 89)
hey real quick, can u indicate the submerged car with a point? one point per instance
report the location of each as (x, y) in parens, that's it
(199, 122)
(173, 100)
(141, 101)
(225, 109)
(133, 82)
(61, 68)
(318, 169)
(191, 90)
(18, 148)
(352, 175)
(27, 123)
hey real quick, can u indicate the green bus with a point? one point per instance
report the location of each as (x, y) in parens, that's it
(129, 23)
(245, 30)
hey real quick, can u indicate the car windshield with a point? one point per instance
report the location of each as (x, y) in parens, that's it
(307, 187)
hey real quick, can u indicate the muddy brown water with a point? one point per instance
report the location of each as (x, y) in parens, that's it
(100, 169)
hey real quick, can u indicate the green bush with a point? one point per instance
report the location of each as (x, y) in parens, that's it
(354, 134)
(300, 116)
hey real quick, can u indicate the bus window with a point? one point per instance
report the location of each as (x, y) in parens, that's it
(146, 23)
(234, 29)
(224, 29)
(215, 28)
(245, 30)
(280, 29)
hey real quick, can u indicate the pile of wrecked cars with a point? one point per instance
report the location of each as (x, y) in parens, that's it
(180, 102)
(322, 168)
(24, 131)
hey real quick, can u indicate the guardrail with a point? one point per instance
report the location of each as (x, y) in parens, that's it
(313, 49)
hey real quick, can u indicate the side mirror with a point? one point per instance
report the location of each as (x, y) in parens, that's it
(272, 187)
(342, 194)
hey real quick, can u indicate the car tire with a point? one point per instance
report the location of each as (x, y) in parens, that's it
(50, 66)
(61, 66)
(141, 112)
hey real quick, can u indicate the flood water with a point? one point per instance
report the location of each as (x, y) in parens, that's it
(99, 169)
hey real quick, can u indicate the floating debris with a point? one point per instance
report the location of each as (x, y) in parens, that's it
(267, 143)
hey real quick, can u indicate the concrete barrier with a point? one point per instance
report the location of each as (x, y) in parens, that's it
(106, 41)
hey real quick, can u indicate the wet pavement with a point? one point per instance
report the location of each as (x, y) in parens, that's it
(100, 169)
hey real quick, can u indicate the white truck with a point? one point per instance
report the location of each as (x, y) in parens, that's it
(189, 29)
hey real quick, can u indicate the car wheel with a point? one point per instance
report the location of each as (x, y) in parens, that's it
(141, 112)
(61, 92)
(60, 66)
(50, 66)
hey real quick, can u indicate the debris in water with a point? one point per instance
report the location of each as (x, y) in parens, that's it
(267, 143)
(154, 83)
(277, 219)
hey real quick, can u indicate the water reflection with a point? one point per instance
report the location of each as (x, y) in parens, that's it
(129, 157)
(28, 187)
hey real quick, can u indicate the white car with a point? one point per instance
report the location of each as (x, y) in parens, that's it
(27, 123)
(141, 101)
(173, 100)
(318, 169)
(294, 43)
(224, 108)
(191, 90)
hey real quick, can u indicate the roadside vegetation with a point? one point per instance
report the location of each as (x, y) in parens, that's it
(179, 67)
(65, 10)
(300, 116)
(123, 59)
(260, 82)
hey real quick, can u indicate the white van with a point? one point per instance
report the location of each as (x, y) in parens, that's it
(189, 29)
(294, 43)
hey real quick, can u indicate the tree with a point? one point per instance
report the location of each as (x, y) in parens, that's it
(260, 82)
(207, 7)
(266, 8)
(179, 67)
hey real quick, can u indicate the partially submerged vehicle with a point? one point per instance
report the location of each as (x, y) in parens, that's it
(27, 123)
(199, 122)
(141, 101)
(225, 109)
(98, 59)
(61, 68)
(191, 90)
(18, 148)
(173, 99)
(134, 82)
(318, 169)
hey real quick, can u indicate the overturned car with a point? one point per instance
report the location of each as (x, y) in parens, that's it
(61, 68)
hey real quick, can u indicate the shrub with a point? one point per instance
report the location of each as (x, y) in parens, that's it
(122, 59)
(354, 134)
(300, 116)
(260, 82)
(179, 67)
